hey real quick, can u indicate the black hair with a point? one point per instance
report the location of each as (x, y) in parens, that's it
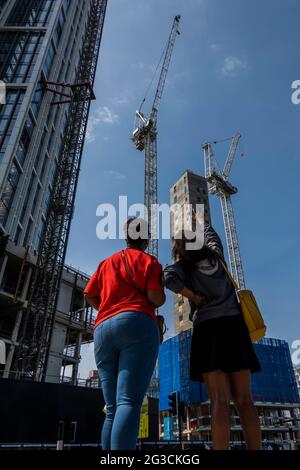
(191, 257)
(138, 227)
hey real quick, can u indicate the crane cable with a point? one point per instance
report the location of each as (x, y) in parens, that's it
(220, 141)
(154, 75)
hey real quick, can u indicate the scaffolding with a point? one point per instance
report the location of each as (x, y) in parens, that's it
(33, 352)
(274, 392)
(276, 383)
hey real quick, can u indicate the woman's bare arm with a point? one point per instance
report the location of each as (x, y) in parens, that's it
(156, 298)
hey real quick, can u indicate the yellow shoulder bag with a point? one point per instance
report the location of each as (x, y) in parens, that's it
(253, 317)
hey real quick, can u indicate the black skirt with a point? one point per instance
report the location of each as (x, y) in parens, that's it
(222, 344)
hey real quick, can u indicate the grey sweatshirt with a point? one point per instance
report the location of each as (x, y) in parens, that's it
(216, 288)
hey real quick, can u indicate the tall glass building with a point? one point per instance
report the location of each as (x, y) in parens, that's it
(40, 40)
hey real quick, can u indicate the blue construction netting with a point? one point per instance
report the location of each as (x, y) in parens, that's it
(276, 382)
(169, 370)
(174, 372)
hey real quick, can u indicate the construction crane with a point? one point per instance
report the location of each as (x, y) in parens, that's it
(35, 339)
(219, 185)
(145, 139)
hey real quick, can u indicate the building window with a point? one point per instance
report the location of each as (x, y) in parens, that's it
(63, 123)
(50, 115)
(27, 197)
(180, 318)
(9, 192)
(58, 147)
(59, 29)
(25, 138)
(18, 234)
(38, 237)
(49, 60)
(53, 173)
(2, 4)
(43, 170)
(50, 142)
(8, 116)
(19, 51)
(46, 201)
(28, 232)
(40, 156)
(30, 13)
(66, 5)
(36, 198)
(37, 100)
(175, 198)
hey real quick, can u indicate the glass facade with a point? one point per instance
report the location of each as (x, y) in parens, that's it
(37, 99)
(2, 4)
(49, 60)
(25, 139)
(27, 197)
(39, 234)
(59, 28)
(8, 116)
(9, 191)
(30, 13)
(18, 55)
(32, 163)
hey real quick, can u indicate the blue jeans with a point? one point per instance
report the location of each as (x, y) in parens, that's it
(126, 349)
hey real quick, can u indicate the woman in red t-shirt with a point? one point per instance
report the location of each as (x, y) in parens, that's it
(126, 289)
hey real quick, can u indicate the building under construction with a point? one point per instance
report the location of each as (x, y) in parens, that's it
(274, 391)
(49, 54)
(189, 189)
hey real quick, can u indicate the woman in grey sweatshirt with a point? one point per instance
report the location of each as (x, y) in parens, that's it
(222, 353)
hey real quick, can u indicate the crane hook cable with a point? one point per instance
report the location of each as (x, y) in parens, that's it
(154, 75)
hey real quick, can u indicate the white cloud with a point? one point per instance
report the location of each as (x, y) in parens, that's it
(142, 66)
(114, 174)
(102, 115)
(124, 98)
(232, 65)
(214, 47)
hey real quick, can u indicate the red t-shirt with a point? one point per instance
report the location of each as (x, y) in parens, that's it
(117, 294)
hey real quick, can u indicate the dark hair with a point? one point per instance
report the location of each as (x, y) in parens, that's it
(138, 227)
(180, 252)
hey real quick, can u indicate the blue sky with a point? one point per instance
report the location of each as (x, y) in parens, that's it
(232, 70)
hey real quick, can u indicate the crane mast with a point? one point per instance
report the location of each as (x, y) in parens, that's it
(219, 185)
(145, 139)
